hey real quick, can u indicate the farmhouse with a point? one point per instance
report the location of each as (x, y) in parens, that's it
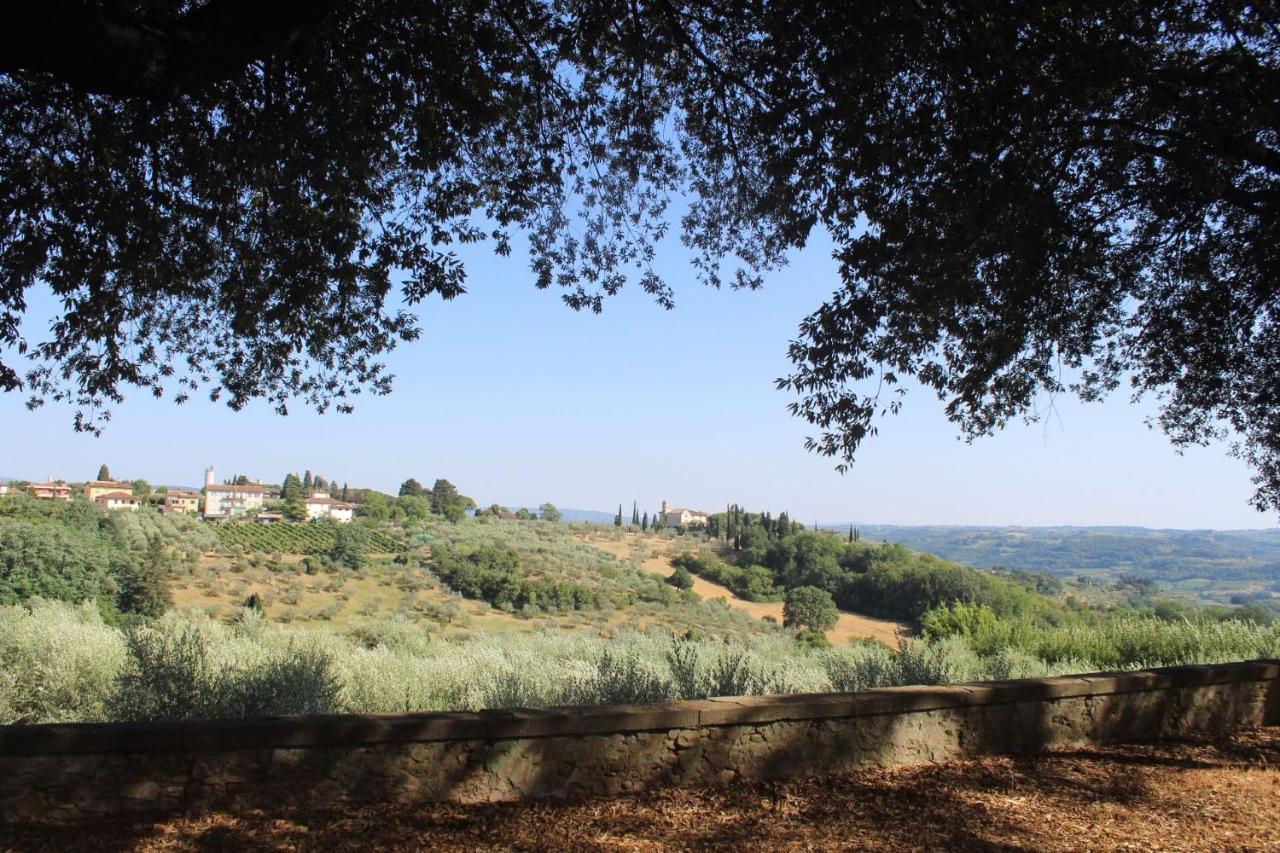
(95, 489)
(679, 517)
(51, 490)
(181, 503)
(118, 500)
(322, 507)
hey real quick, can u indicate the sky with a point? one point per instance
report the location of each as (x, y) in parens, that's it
(519, 400)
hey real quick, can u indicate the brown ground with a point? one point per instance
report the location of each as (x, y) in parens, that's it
(1191, 795)
(654, 556)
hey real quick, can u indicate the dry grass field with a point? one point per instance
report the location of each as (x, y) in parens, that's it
(1203, 794)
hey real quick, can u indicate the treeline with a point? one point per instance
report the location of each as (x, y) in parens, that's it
(887, 581)
(493, 574)
(754, 583)
(745, 530)
(74, 551)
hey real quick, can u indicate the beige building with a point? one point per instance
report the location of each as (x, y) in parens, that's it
(119, 500)
(183, 503)
(679, 517)
(51, 490)
(321, 507)
(94, 489)
(222, 500)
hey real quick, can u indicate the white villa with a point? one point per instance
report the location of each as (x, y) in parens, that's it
(322, 507)
(226, 501)
(679, 517)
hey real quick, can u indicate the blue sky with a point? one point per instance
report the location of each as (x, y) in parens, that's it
(519, 400)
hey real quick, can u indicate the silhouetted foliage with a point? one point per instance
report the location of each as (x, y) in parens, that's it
(1052, 198)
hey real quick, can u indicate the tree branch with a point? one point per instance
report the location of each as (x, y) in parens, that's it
(96, 52)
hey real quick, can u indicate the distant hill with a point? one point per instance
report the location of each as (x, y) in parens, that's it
(1166, 555)
(589, 516)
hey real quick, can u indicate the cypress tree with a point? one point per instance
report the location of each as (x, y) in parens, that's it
(635, 513)
(104, 473)
(344, 491)
(306, 481)
(617, 519)
(850, 532)
(644, 521)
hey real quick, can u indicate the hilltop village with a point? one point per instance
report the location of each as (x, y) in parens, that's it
(298, 499)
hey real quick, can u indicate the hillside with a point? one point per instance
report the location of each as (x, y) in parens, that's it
(406, 578)
(138, 616)
(653, 554)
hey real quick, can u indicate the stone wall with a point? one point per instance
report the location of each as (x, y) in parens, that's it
(67, 772)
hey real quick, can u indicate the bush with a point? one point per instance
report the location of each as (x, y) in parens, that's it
(864, 666)
(58, 663)
(812, 640)
(940, 662)
(681, 578)
(397, 633)
(958, 619)
(185, 668)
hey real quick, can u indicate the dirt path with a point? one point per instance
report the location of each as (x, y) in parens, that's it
(656, 559)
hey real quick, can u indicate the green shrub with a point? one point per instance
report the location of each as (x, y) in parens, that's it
(58, 663)
(681, 578)
(864, 666)
(396, 633)
(186, 668)
(812, 640)
(939, 662)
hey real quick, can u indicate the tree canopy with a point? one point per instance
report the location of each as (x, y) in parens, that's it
(250, 200)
